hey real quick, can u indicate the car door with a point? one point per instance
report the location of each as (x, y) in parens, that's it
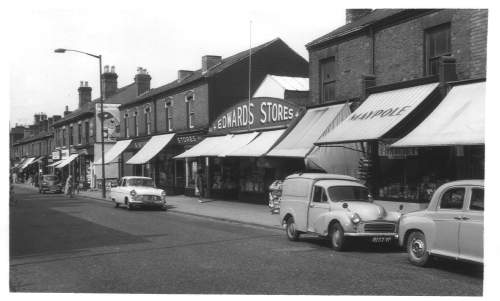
(471, 226)
(120, 191)
(317, 207)
(447, 219)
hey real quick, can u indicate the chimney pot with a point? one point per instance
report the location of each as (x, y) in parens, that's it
(208, 61)
(106, 68)
(109, 81)
(112, 69)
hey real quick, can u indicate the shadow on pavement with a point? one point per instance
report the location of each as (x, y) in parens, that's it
(36, 228)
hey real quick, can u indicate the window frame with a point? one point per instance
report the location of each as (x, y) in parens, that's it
(449, 189)
(136, 124)
(126, 128)
(323, 82)
(428, 33)
(190, 114)
(168, 114)
(147, 119)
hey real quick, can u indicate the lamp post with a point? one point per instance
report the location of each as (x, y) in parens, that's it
(99, 57)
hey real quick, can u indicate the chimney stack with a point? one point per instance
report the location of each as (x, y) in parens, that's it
(182, 74)
(208, 61)
(352, 15)
(84, 94)
(37, 119)
(66, 111)
(56, 117)
(142, 80)
(109, 81)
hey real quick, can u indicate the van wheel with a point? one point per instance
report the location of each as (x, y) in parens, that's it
(127, 204)
(116, 203)
(338, 238)
(291, 231)
(416, 247)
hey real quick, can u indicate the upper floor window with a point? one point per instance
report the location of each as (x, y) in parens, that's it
(189, 98)
(126, 128)
(147, 120)
(437, 44)
(87, 132)
(168, 114)
(79, 133)
(327, 79)
(63, 137)
(70, 135)
(136, 125)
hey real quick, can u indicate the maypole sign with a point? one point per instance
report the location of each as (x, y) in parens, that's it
(258, 113)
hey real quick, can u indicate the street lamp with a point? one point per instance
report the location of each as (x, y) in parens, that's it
(99, 57)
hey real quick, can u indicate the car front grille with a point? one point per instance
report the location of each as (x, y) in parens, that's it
(150, 198)
(380, 227)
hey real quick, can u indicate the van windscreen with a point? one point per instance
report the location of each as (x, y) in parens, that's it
(348, 193)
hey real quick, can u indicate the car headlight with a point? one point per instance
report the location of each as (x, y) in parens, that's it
(355, 219)
(133, 193)
(163, 193)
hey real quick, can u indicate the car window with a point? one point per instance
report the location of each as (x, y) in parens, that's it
(348, 193)
(453, 199)
(140, 182)
(50, 178)
(477, 199)
(318, 194)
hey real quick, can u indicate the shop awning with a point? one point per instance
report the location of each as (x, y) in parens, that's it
(114, 151)
(39, 159)
(151, 149)
(207, 147)
(55, 163)
(235, 142)
(457, 120)
(67, 161)
(300, 140)
(378, 114)
(258, 146)
(27, 162)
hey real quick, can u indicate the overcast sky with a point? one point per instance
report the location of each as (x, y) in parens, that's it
(159, 37)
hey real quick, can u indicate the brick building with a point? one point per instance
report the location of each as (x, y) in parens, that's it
(77, 135)
(414, 60)
(187, 106)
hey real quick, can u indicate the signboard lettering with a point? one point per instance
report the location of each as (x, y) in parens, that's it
(261, 112)
(397, 111)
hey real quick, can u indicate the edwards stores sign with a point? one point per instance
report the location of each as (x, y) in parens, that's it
(258, 113)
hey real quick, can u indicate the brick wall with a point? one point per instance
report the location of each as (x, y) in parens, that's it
(399, 52)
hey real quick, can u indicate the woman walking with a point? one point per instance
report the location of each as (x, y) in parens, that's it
(68, 188)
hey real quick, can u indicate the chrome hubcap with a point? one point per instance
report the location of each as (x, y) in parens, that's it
(291, 229)
(336, 237)
(418, 247)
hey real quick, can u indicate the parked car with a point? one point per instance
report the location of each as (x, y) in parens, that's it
(50, 183)
(334, 206)
(138, 192)
(451, 226)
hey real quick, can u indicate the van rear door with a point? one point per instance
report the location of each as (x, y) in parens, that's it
(296, 196)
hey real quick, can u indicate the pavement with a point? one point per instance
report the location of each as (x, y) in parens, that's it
(231, 211)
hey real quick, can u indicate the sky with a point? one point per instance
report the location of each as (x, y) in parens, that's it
(162, 38)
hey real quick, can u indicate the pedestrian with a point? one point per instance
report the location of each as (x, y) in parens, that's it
(68, 188)
(199, 184)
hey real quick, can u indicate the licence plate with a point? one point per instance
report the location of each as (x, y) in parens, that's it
(381, 239)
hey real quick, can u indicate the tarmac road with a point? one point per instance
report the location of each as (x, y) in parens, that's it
(80, 245)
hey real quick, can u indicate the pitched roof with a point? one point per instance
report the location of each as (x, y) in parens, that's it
(40, 136)
(198, 74)
(362, 23)
(123, 95)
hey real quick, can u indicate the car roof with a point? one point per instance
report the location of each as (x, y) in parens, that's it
(465, 182)
(328, 183)
(135, 177)
(322, 176)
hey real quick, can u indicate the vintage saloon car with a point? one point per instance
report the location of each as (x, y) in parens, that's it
(50, 183)
(333, 206)
(138, 192)
(451, 226)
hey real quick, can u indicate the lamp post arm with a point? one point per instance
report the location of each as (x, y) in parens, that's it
(93, 55)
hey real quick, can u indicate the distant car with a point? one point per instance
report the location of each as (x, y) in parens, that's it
(50, 183)
(138, 192)
(451, 226)
(334, 206)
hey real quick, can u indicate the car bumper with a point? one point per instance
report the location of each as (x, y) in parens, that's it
(148, 203)
(371, 234)
(51, 188)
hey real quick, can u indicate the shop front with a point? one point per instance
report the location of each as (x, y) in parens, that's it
(415, 140)
(232, 158)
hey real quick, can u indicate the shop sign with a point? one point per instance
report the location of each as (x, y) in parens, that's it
(188, 139)
(396, 152)
(259, 113)
(56, 155)
(111, 121)
(390, 112)
(137, 144)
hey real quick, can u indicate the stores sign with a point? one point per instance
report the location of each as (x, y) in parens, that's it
(259, 113)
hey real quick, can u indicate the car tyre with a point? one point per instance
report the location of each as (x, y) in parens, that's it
(291, 231)
(338, 238)
(116, 203)
(416, 247)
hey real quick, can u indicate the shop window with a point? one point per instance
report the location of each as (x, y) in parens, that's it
(125, 120)
(147, 120)
(189, 98)
(437, 44)
(477, 199)
(453, 199)
(168, 114)
(327, 79)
